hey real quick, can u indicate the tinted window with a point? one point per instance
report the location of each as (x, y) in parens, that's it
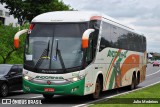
(41, 30)
(17, 69)
(4, 69)
(95, 24)
(131, 42)
(144, 44)
(116, 37)
(122, 42)
(59, 30)
(55, 46)
(14, 69)
(105, 36)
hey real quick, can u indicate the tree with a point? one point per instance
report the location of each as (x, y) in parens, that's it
(28, 9)
(8, 54)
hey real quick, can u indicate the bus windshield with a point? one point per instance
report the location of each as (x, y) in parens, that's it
(53, 48)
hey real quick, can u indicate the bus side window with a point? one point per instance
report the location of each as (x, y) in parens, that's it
(123, 39)
(144, 44)
(114, 36)
(91, 50)
(105, 36)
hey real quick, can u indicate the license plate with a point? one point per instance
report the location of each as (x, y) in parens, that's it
(49, 89)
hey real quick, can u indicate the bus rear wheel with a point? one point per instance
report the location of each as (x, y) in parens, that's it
(134, 83)
(96, 94)
(48, 96)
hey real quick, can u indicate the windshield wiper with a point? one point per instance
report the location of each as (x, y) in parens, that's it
(48, 48)
(58, 52)
(44, 54)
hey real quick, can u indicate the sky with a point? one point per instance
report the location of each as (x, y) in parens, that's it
(142, 15)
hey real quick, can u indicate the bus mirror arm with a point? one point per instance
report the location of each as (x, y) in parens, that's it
(16, 37)
(85, 38)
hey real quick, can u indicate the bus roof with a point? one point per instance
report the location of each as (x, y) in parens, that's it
(77, 16)
(65, 16)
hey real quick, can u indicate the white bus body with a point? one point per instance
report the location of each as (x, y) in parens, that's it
(56, 63)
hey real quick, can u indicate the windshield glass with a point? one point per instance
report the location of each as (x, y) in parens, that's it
(55, 46)
(4, 69)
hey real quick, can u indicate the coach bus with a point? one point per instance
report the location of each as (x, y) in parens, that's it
(80, 53)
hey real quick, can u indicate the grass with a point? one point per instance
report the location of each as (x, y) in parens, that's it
(143, 94)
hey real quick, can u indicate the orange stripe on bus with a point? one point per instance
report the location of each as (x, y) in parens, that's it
(131, 61)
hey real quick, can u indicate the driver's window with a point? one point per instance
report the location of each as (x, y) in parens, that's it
(13, 70)
(89, 51)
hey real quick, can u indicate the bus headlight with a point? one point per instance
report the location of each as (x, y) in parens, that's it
(75, 78)
(26, 77)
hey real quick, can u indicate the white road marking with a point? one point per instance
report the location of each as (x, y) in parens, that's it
(37, 96)
(40, 96)
(153, 73)
(91, 103)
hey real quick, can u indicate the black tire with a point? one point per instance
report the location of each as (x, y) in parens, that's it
(97, 92)
(4, 90)
(48, 96)
(138, 79)
(134, 83)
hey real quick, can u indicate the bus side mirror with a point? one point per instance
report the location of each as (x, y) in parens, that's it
(85, 38)
(16, 37)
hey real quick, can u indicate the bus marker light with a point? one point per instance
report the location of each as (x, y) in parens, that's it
(96, 18)
(31, 26)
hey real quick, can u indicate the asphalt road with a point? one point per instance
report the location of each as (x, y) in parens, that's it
(152, 76)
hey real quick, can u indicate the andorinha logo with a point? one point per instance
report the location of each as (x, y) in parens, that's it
(114, 53)
(48, 77)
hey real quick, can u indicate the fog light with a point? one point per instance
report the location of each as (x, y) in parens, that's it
(74, 89)
(27, 88)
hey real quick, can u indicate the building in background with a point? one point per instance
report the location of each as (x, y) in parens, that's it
(5, 18)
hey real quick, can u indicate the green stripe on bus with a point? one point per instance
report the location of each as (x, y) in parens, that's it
(107, 72)
(113, 75)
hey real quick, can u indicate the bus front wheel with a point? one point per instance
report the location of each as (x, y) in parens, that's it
(96, 94)
(48, 96)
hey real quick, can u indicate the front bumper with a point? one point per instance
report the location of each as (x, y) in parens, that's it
(74, 88)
